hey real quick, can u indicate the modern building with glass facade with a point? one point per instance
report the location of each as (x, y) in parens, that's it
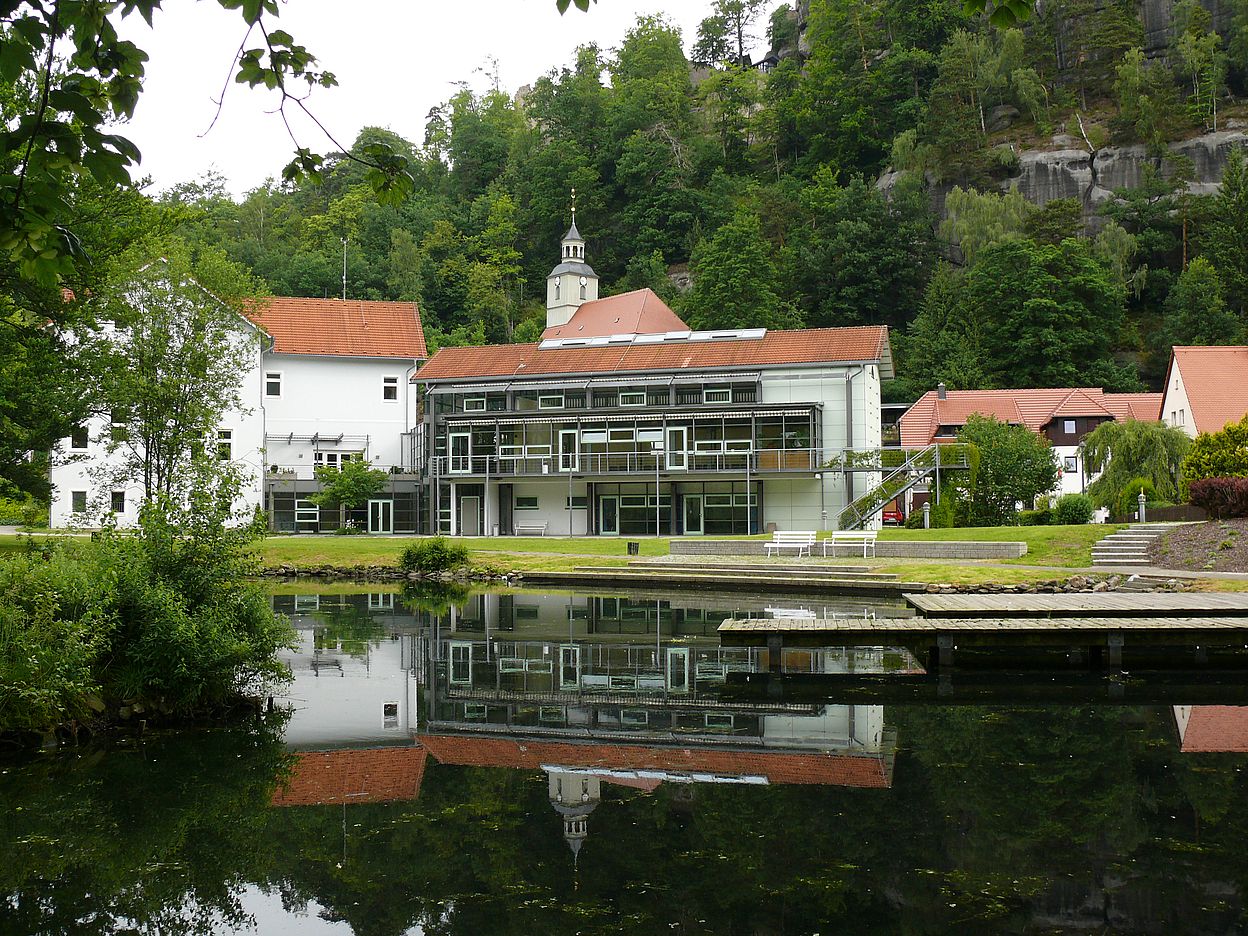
(624, 421)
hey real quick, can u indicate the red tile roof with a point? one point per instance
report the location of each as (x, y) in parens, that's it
(842, 769)
(1213, 728)
(351, 328)
(640, 312)
(371, 775)
(1033, 408)
(1216, 380)
(806, 346)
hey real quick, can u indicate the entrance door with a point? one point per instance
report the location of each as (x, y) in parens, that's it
(609, 515)
(380, 516)
(693, 514)
(567, 449)
(461, 453)
(678, 669)
(677, 448)
(569, 666)
(470, 516)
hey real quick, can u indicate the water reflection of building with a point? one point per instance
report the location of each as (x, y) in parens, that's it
(593, 691)
(1209, 728)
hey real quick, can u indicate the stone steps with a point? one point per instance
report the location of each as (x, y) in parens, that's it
(1127, 547)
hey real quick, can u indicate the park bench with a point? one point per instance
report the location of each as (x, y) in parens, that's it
(529, 529)
(855, 538)
(801, 540)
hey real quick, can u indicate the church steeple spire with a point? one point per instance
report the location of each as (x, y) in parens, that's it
(573, 281)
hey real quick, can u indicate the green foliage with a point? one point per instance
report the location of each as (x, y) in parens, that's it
(165, 617)
(433, 554)
(1040, 517)
(1224, 234)
(735, 281)
(26, 512)
(350, 485)
(1015, 467)
(1049, 313)
(977, 220)
(1196, 311)
(1146, 102)
(1072, 508)
(1123, 452)
(1129, 498)
(1222, 454)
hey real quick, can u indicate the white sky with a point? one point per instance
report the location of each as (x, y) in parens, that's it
(394, 60)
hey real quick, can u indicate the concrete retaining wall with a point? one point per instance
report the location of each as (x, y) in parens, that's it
(884, 549)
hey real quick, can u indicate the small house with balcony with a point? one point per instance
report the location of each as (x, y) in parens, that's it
(336, 387)
(623, 421)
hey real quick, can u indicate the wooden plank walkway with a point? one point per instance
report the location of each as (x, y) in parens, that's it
(1073, 605)
(892, 627)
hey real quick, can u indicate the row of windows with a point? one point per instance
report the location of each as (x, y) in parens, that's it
(273, 387)
(684, 396)
(116, 501)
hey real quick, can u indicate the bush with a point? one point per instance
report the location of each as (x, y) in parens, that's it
(1042, 517)
(1221, 497)
(1218, 454)
(434, 554)
(1129, 499)
(27, 513)
(1073, 508)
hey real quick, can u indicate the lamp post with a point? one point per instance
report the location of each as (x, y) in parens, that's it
(1141, 499)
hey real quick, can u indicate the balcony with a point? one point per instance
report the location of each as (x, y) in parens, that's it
(760, 462)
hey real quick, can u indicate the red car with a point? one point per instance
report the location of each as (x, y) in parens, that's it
(893, 518)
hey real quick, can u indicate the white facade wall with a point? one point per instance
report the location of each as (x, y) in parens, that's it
(333, 396)
(79, 470)
(1176, 409)
(800, 503)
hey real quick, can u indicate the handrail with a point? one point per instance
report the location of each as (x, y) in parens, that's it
(919, 465)
(757, 461)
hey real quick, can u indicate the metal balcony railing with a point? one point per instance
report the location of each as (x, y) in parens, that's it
(763, 461)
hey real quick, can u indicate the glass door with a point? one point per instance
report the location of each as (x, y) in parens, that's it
(678, 669)
(609, 515)
(677, 448)
(461, 452)
(380, 516)
(569, 666)
(567, 449)
(693, 514)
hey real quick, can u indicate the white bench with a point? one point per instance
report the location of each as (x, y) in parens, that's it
(854, 538)
(529, 529)
(801, 540)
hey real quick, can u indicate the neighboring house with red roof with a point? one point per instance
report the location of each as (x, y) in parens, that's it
(1207, 729)
(624, 421)
(1206, 388)
(331, 383)
(1062, 415)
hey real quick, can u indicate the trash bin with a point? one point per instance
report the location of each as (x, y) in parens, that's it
(634, 548)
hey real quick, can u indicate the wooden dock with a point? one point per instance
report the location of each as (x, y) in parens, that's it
(1170, 605)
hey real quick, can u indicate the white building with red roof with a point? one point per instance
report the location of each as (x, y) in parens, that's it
(1206, 388)
(624, 421)
(1061, 415)
(330, 383)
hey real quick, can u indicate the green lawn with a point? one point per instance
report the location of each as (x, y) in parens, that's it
(1062, 546)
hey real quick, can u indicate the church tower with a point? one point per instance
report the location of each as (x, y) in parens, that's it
(573, 281)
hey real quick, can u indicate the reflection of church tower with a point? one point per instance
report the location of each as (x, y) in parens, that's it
(573, 281)
(574, 797)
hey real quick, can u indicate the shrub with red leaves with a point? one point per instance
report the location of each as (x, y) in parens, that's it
(1221, 497)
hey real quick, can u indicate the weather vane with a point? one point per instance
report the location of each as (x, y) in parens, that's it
(574, 205)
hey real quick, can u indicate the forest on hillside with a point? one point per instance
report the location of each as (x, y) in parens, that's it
(760, 183)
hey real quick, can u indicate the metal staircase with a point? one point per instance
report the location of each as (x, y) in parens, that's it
(917, 467)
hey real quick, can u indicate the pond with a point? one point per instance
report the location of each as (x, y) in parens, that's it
(516, 762)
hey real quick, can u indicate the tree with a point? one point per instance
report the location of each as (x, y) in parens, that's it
(171, 368)
(1199, 51)
(1222, 454)
(722, 35)
(975, 220)
(735, 280)
(1049, 313)
(1195, 311)
(350, 486)
(1130, 449)
(942, 344)
(1015, 467)
(1224, 238)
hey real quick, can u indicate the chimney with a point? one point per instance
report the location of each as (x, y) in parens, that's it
(941, 392)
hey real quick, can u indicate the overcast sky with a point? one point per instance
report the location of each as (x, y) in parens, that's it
(394, 60)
